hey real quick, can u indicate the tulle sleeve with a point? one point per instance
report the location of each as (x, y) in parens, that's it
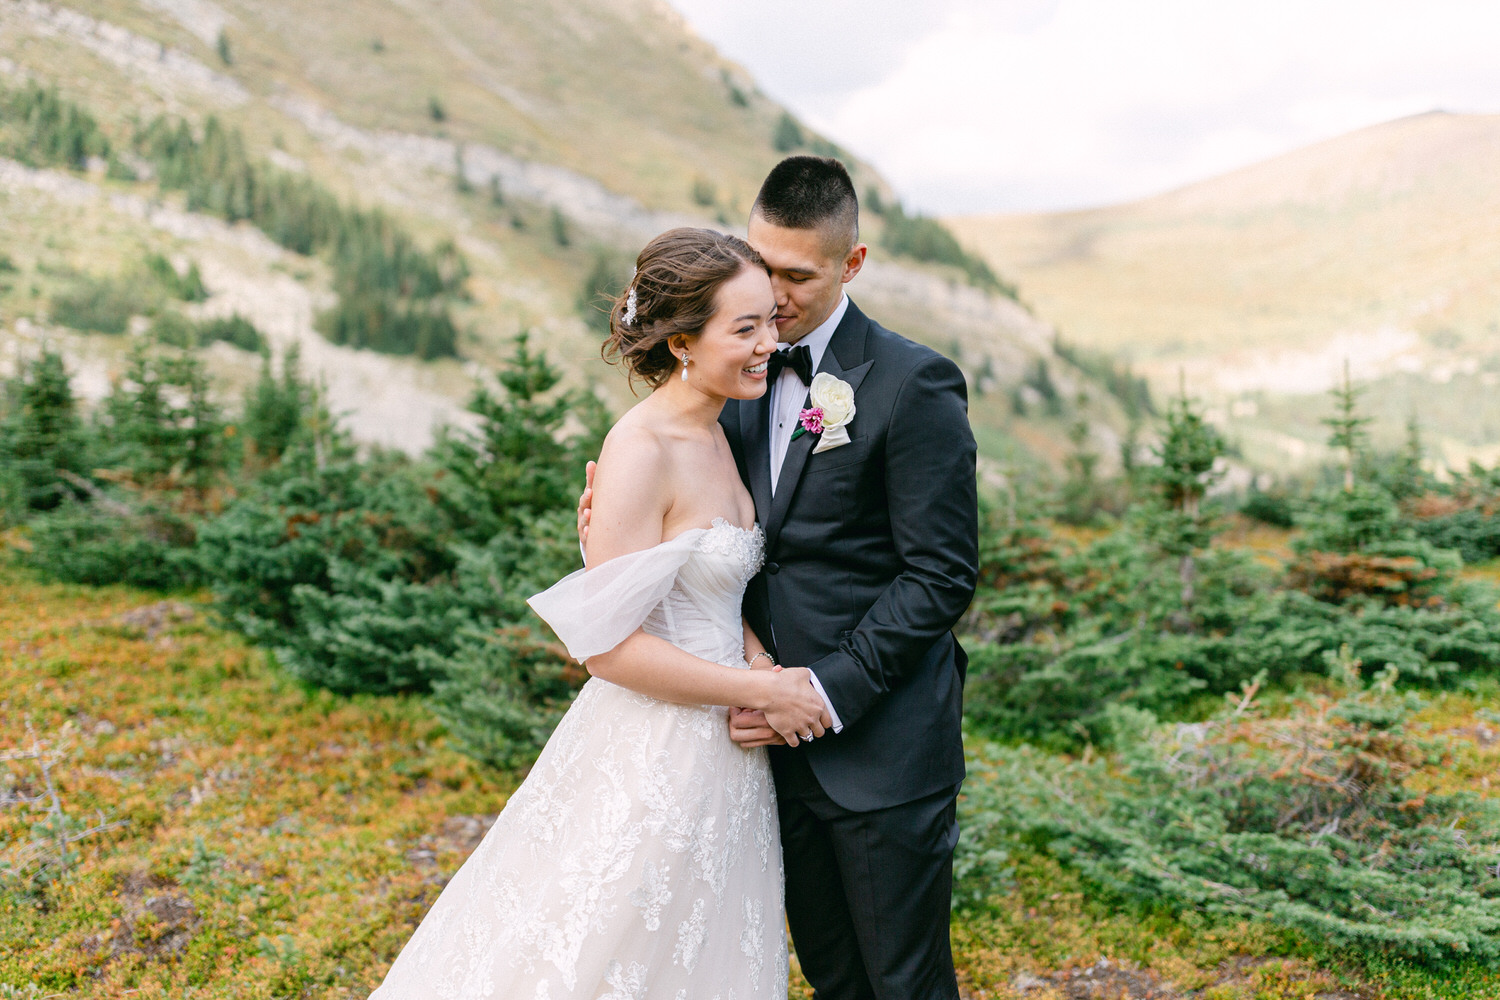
(594, 610)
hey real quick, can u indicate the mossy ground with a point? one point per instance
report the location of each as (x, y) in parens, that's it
(279, 841)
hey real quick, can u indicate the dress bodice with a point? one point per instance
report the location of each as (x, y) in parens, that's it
(686, 590)
(701, 613)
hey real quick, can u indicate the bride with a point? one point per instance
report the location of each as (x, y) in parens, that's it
(642, 852)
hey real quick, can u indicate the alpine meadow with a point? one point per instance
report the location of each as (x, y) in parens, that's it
(300, 315)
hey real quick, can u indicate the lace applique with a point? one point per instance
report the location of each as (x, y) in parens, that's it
(691, 934)
(652, 894)
(751, 945)
(746, 544)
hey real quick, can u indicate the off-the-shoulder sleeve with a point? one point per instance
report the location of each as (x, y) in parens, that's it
(594, 610)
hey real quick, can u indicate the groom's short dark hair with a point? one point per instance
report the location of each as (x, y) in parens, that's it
(810, 192)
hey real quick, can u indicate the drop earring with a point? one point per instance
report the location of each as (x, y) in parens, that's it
(684, 365)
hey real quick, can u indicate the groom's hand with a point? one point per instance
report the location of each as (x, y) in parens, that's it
(585, 502)
(749, 728)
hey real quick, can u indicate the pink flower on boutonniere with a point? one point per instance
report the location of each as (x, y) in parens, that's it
(811, 420)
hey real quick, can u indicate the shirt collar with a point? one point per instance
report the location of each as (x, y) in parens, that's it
(817, 341)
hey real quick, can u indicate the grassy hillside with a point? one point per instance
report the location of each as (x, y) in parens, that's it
(1381, 247)
(546, 140)
(253, 838)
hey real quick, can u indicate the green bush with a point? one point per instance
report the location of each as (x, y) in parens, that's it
(925, 239)
(102, 305)
(1307, 821)
(188, 287)
(40, 128)
(1473, 532)
(234, 329)
(87, 543)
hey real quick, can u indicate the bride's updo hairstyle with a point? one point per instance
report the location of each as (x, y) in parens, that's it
(677, 280)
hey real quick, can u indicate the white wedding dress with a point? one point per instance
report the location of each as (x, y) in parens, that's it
(641, 856)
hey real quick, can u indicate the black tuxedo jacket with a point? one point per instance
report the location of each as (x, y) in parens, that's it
(871, 558)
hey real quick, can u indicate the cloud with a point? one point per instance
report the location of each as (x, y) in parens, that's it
(988, 105)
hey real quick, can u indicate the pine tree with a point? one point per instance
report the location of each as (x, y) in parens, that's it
(1184, 471)
(1347, 426)
(42, 441)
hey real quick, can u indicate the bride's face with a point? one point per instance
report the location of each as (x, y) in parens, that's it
(728, 359)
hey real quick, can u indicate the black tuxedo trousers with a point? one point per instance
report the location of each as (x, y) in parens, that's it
(871, 558)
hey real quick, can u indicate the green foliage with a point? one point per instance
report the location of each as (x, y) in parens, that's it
(108, 543)
(188, 287)
(1307, 821)
(378, 575)
(282, 413)
(1274, 507)
(604, 282)
(159, 423)
(102, 305)
(1347, 426)
(222, 45)
(705, 193)
(176, 330)
(381, 323)
(921, 238)
(42, 441)
(560, 233)
(393, 296)
(435, 109)
(1132, 390)
(41, 129)
(1473, 532)
(788, 134)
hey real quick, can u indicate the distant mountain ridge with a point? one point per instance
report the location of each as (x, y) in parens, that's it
(547, 140)
(1380, 247)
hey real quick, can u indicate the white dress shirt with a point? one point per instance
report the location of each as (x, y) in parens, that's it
(788, 393)
(787, 396)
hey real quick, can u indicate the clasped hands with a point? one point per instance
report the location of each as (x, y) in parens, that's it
(796, 713)
(794, 710)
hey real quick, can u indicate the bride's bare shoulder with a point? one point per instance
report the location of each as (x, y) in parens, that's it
(633, 489)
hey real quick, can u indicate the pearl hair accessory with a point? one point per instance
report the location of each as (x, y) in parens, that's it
(629, 315)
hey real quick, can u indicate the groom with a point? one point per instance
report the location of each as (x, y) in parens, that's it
(871, 557)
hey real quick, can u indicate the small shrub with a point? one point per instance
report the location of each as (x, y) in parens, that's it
(234, 330)
(101, 305)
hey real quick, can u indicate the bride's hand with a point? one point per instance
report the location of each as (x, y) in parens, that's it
(795, 709)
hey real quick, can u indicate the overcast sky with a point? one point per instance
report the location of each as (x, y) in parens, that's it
(1020, 105)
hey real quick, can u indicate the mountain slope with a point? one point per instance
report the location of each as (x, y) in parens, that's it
(542, 138)
(1381, 247)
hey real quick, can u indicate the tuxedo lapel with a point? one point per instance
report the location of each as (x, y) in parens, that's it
(845, 347)
(755, 433)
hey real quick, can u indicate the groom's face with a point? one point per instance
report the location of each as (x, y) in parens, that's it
(808, 271)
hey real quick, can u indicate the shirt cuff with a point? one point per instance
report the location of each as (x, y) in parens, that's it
(838, 727)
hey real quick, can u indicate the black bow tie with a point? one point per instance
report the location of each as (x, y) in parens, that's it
(798, 359)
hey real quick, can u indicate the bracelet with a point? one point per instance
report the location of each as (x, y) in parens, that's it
(759, 655)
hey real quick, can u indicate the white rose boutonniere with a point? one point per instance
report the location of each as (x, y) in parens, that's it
(832, 409)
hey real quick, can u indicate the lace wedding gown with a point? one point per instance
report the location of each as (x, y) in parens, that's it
(641, 857)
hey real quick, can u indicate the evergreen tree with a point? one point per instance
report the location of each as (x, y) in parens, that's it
(1347, 425)
(1184, 470)
(43, 446)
